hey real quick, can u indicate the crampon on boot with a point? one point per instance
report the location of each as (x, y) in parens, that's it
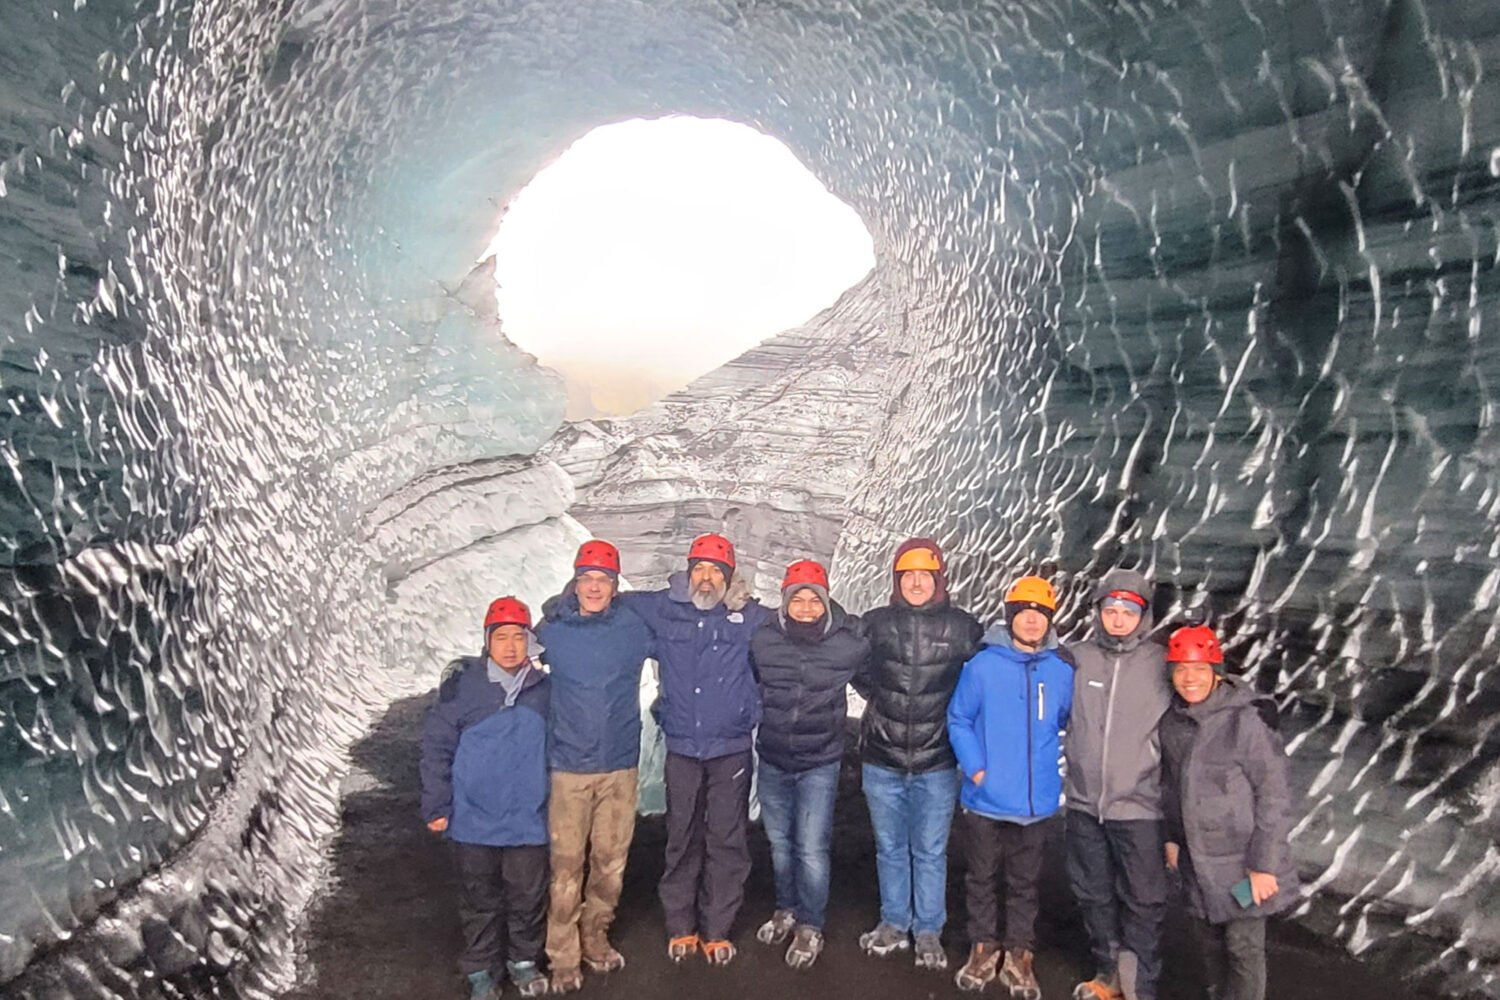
(528, 978)
(482, 986)
(927, 951)
(883, 940)
(806, 946)
(601, 956)
(775, 930)
(979, 971)
(681, 948)
(718, 952)
(566, 980)
(1018, 976)
(1099, 988)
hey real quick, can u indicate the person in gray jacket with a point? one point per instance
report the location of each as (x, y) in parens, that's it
(1228, 813)
(1113, 791)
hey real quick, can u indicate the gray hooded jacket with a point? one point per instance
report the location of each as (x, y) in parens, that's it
(1227, 802)
(1120, 691)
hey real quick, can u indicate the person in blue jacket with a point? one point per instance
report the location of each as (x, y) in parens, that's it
(708, 708)
(1005, 722)
(594, 648)
(484, 785)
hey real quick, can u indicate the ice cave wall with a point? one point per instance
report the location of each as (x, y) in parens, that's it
(1207, 286)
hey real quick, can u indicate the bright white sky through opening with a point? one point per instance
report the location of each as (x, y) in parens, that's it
(653, 251)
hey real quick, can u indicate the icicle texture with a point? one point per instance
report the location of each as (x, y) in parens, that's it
(1203, 286)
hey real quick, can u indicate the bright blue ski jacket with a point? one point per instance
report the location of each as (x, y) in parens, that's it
(595, 663)
(484, 766)
(1005, 719)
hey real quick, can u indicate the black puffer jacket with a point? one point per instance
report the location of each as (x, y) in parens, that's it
(803, 687)
(916, 655)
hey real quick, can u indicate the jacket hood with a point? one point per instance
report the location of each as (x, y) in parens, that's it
(1136, 583)
(999, 635)
(940, 578)
(836, 616)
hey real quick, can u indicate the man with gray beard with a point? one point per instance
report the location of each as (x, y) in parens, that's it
(708, 708)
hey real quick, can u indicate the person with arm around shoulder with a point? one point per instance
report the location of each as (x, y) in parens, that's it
(805, 657)
(1228, 813)
(919, 643)
(595, 649)
(1113, 790)
(708, 708)
(1006, 721)
(484, 787)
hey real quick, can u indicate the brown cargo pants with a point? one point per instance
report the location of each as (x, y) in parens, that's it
(592, 817)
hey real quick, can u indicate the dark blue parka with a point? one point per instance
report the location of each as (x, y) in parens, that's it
(595, 662)
(484, 766)
(804, 684)
(1005, 719)
(709, 702)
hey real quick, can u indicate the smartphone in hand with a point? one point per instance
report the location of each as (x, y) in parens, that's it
(1242, 894)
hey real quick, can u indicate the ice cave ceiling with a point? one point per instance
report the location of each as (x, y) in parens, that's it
(1202, 285)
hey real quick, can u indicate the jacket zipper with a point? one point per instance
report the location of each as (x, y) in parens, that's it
(1109, 717)
(1030, 786)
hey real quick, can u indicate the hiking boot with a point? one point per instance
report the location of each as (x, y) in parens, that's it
(600, 956)
(775, 930)
(928, 952)
(883, 940)
(528, 978)
(1101, 987)
(482, 986)
(1017, 976)
(567, 981)
(806, 946)
(979, 970)
(680, 948)
(718, 952)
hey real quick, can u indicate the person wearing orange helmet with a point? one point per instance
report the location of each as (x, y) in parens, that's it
(708, 707)
(490, 719)
(805, 658)
(919, 644)
(1005, 721)
(1228, 813)
(595, 648)
(1113, 790)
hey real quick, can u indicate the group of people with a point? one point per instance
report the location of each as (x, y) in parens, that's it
(1169, 765)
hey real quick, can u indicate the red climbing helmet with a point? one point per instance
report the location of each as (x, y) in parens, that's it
(1194, 644)
(507, 611)
(715, 548)
(597, 554)
(804, 573)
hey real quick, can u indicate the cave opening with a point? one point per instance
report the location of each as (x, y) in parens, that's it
(653, 250)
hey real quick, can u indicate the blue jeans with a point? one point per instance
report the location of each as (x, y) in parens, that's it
(911, 814)
(797, 807)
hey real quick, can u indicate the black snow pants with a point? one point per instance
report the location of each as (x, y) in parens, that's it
(502, 905)
(1234, 957)
(708, 852)
(1119, 876)
(993, 848)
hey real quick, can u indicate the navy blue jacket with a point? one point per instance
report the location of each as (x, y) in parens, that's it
(803, 684)
(709, 702)
(484, 766)
(595, 662)
(1005, 719)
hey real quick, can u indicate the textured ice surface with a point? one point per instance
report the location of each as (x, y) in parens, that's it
(1206, 285)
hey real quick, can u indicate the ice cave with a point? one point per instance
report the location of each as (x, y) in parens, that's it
(1206, 287)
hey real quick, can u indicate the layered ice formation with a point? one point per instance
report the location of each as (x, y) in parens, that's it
(1205, 286)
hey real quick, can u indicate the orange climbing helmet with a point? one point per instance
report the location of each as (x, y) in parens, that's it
(713, 548)
(507, 611)
(1033, 591)
(919, 558)
(1195, 644)
(598, 555)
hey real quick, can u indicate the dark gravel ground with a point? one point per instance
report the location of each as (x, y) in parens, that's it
(387, 927)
